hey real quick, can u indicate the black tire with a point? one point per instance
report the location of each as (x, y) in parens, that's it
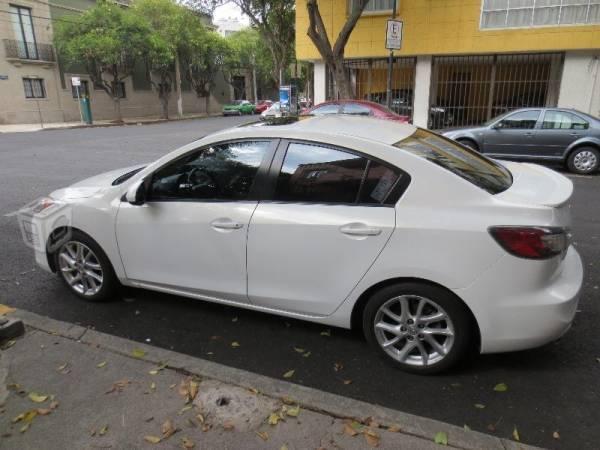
(460, 320)
(593, 160)
(469, 143)
(110, 283)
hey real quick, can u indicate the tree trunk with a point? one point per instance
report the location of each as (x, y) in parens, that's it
(178, 86)
(117, 104)
(207, 102)
(164, 104)
(342, 79)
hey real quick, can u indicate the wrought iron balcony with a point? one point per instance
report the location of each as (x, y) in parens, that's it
(28, 51)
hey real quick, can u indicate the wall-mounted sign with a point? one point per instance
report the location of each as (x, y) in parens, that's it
(3, 77)
(76, 81)
(393, 35)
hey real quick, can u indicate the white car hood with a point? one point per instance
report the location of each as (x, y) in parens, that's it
(93, 185)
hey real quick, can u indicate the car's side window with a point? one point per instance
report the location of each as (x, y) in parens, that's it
(524, 120)
(561, 120)
(356, 109)
(331, 108)
(317, 174)
(218, 172)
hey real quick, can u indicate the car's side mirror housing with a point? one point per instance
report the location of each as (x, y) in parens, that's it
(136, 194)
(497, 126)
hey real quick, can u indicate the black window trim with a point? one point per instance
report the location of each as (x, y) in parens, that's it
(256, 190)
(398, 189)
(538, 122)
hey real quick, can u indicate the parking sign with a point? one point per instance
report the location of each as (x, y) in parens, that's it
(393, 36)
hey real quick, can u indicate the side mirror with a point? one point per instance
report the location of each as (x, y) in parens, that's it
(136, 194)
(497, 126)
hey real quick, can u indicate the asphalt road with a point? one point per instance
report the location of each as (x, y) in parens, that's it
(555, 388)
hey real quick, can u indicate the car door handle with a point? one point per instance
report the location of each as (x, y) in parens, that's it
(528, 134)
(359, 229)
(226, 224)
(574, 134)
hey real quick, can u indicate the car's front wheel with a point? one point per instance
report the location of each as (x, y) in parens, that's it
(417, 327)
(85, 268)
(584, 160)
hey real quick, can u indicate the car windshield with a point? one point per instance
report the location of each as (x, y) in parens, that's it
(462, 161)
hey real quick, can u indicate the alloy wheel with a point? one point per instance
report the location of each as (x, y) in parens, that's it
(585, 161)
(414, 330)
(80, 267)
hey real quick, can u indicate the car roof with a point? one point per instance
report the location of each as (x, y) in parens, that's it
(315, 128)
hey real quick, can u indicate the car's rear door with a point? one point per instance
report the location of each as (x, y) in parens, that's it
(558, 130)
(329, 217)
(190, 235)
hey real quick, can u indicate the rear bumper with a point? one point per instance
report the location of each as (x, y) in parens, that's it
(511, 318)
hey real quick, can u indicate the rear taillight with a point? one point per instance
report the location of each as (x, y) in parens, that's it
(532, 242)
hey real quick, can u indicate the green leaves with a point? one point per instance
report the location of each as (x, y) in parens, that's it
(441, 438)
(501, 387)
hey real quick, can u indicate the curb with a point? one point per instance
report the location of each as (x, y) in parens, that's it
(309, 398)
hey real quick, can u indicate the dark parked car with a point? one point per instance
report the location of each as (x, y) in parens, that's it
(355, 108)
(543, 134)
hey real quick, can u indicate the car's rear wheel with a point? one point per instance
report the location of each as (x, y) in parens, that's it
(419, 328)
(584, 160)
(85, 268)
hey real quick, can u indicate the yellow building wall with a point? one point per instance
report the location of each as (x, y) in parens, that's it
(438, 27)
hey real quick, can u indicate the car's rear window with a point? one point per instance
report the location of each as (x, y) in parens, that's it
(462, 161)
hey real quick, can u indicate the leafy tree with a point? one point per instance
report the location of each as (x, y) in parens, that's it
(108, 40)
(169, 26)
(275, 21)
(333, 55)
(203, 57)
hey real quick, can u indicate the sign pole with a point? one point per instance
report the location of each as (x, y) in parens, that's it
(388, 100)
(79, 104)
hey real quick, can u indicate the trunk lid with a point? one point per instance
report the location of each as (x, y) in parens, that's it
(536, 185)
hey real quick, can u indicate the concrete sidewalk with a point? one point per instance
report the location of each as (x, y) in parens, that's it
(66, 387)
(28, 127)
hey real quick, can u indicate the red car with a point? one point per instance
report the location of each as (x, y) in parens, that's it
(355, 107)
(263, 105)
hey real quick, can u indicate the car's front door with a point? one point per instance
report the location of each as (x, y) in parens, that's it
(559, 130)
(512, 135)
(331, 214)
(191, 232)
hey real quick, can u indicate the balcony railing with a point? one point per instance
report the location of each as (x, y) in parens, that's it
(28, 51)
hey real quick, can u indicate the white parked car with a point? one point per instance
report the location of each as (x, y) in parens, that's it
(431, 248)
(273, 111)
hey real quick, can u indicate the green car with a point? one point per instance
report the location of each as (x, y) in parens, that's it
(238, 107)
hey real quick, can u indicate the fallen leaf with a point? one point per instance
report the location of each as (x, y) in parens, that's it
(53, 404)
(373, 424)
(235, 344)
(6, 310)
(491, 427)
(103, 430)
(306, 355)
(188, 388)
(555, 435)
(263, 435)
(24, 428)
(288, 400)
(274, 419)
(153, 386)
(118, 386)
(200, 418)
(152, 439)
(193, 390)
(235, 319)
(394, 429)
(168, 429)
(466, 427)
(501, 387)
(479, 405)
(326, 333)
(299, 349)
(206, 427)
(293, 412)
(62, 367)
(37, 398)
(184, 409)
(101, 365)
(187, 444)
(153, 372)
(289, 374)
(284, 447)
(372, 438)
(43, 411)
(9, 344)
(515, 434)
(149, 419)
(27, 416)
(138, 353)
(349, 430)
(228, 426)
(346, 382)
(357, 426)
(254, 390)
(338, 366)
(441, 438)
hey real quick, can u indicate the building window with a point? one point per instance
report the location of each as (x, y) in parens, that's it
(374, 5)
(34, 88)
(84, 90)
(23, 29)
(537, 13)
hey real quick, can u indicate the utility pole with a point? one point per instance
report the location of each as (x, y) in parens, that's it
(388, 100)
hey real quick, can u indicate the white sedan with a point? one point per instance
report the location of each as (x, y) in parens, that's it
(429, 247)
